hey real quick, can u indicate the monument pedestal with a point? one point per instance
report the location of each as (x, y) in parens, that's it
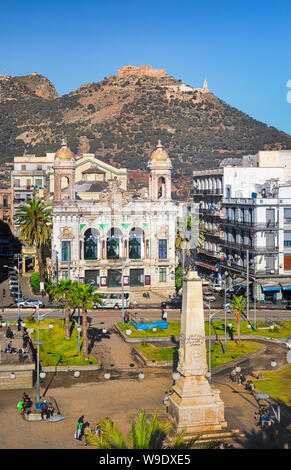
(196, 407)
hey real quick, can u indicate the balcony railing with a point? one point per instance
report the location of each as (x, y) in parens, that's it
(245, 246)
(251, 224)
(207, 192)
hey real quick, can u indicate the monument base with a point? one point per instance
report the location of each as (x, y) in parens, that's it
(195, 407)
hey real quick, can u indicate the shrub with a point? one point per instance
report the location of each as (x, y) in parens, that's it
(35, 282)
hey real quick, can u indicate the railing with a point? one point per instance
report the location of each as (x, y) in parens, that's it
(254, 225)
(245, 246)
(207, 192)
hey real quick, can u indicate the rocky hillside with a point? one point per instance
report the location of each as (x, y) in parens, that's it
(121, 118)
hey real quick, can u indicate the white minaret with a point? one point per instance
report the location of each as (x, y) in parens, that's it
(160, 167)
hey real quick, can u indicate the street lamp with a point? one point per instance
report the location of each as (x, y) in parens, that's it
(122, 284)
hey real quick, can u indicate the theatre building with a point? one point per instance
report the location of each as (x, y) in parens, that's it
(100, 237)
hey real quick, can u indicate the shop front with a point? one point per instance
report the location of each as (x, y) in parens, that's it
(270, 291)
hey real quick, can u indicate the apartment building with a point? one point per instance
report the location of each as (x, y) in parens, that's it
(245, 208)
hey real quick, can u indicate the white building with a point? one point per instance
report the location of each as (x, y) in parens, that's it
(93, 236)
(245, 206)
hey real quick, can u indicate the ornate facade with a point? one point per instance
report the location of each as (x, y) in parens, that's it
(93, 237)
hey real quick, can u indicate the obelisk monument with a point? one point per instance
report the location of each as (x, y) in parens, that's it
(194, 406)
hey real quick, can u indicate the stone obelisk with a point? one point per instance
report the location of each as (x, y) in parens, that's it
(194, 406)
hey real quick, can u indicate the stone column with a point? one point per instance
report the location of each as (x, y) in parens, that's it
(194, 405)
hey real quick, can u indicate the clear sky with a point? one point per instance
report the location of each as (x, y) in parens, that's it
(243, 48)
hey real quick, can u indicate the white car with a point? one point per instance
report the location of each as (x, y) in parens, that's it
(215, 287)
(32, 303)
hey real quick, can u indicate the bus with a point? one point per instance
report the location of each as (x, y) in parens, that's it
(113, 300)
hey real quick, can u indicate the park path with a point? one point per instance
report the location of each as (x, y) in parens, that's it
(112, 351)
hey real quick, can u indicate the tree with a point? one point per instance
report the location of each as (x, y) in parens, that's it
(237, 307)
(34, 220)
(66, 290)
(145, 433)
(84, 295)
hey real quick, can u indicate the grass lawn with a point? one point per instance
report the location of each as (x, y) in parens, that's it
(64, 351)
(217, 327)
(234, 351)
(172, 330)
(284, 332)
(278, 387)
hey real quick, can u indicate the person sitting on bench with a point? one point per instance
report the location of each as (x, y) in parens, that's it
(9, 348)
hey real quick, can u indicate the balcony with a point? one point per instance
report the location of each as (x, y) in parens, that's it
(245, 246)
(251, 225)
(207, 192)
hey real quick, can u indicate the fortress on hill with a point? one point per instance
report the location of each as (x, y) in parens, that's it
(142, 70)
(147, 70)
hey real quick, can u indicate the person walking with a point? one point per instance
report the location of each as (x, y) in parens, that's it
(233, 375)
(44, 410)
(50, 409)
(21, 356)
(165, 315)
(19, 324)
(79, 428)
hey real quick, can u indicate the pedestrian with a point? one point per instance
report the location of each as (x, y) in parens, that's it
(25, 340)
(43, 293)
(27, 403)
(20, 406)
(79, 427)
(98, 430)
(164, 315)
(50, 409)
(21, 356)
(44, 410)
(19, 324)
(126, 317)
(233, 375)
(83, 430)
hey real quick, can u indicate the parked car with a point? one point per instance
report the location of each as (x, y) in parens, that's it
(13, 282)
(173, 303)
(215, 287)
(229, 292)
(32, 303)
(16, 294)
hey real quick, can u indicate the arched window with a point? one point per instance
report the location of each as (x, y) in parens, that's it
(114, 237)
(161, 187)
(136, 243)
(91, 239)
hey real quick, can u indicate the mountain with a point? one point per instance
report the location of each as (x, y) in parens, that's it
(122, 117)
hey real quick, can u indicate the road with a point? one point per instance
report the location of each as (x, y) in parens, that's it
(109, 317)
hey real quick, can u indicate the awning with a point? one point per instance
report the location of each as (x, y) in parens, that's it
(207, 266)
(270, 286)
(285, 285)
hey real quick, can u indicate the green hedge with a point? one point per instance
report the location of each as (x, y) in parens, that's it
(35, 282)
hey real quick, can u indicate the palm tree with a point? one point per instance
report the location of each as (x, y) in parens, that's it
(34, 220)
(85, 296)
(145, 433)
(237, 307)
(65, 289)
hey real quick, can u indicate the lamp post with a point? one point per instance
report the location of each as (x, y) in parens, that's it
(18, 256)
(210, 316)
(38, 343)
(122, 286)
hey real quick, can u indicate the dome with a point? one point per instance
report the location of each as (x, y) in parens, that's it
(64, 153)
(159, 155)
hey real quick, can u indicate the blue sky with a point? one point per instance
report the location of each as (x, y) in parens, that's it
(242, 48)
